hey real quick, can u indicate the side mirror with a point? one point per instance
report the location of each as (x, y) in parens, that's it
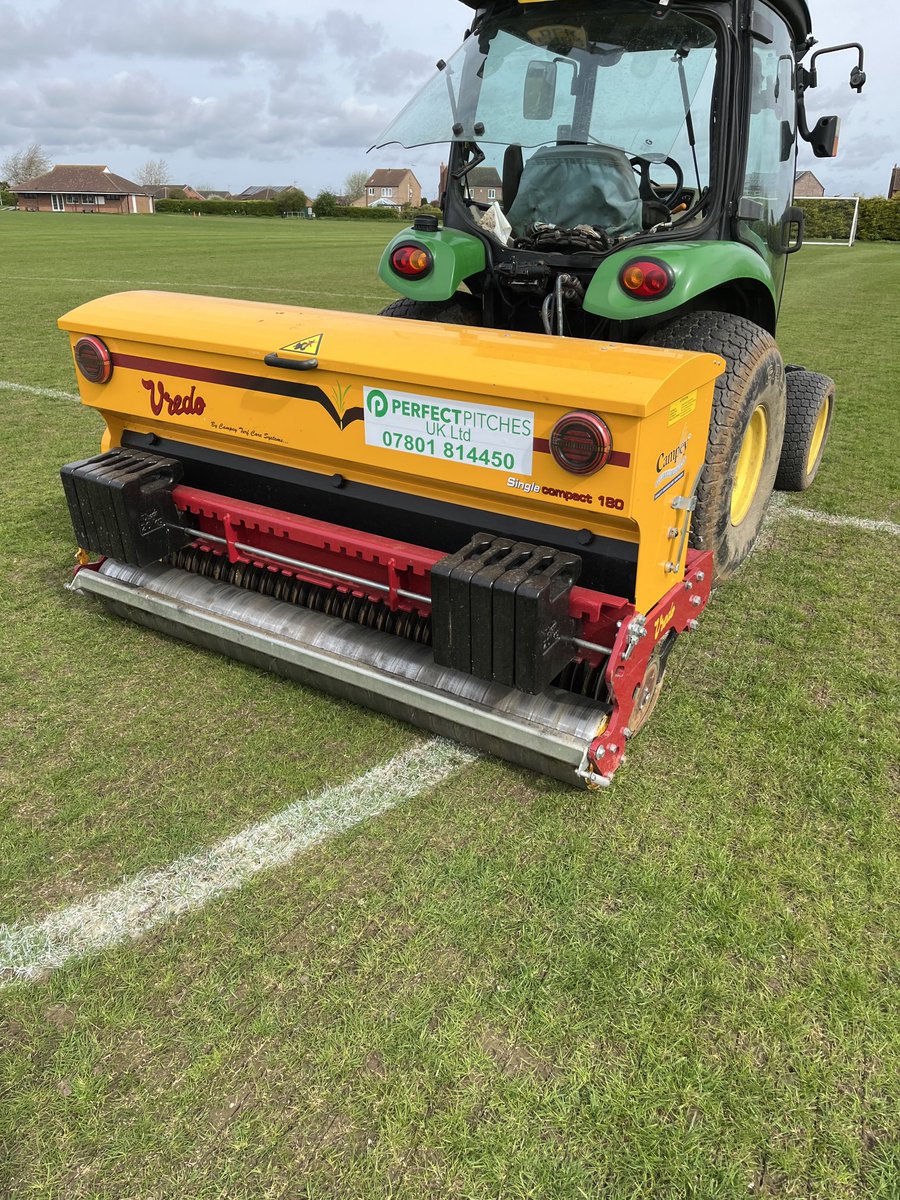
(539, 97)
(824, 137)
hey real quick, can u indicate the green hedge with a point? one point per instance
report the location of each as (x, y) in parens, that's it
(269, 208)
(363, 214)
(220, 208)
(879, 220)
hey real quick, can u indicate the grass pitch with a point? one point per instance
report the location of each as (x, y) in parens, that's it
(684, 987)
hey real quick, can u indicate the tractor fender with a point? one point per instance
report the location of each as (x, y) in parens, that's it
(457, 256)
(698, 268)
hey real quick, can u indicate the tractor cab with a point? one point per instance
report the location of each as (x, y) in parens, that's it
(610, 162)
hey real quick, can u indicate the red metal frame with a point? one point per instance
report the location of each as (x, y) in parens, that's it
(676, 613)
(396, 566)
(603, 619)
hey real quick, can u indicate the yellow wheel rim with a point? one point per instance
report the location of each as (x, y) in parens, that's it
(818, 437)
(749, 465)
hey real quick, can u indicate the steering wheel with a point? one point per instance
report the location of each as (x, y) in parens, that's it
(643, 164)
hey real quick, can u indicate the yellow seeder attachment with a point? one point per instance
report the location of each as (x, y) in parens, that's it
(482, 532)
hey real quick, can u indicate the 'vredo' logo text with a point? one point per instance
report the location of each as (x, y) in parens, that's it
(188, 405)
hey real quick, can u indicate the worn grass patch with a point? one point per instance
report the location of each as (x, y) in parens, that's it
(684, 987)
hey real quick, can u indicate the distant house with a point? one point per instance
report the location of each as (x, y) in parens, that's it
(167, 191)
(73, 187)
(484, 184)
(894, 185)
(260, 193)
(391, 188)
(806, 185)
(214, 193)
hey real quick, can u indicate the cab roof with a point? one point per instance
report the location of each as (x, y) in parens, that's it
(795, 12)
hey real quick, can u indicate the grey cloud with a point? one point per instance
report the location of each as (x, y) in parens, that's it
(215, 32)
(131, 109)
(351, 35)
(394, 71)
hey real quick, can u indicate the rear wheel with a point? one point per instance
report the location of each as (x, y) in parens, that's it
(810, 405)
(460, 309)
(746, 431)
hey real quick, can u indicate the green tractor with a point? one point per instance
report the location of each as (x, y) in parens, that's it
(624, 170)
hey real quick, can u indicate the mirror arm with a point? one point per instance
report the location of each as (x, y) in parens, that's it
(857, 75)
(802, 123)
(478, 157)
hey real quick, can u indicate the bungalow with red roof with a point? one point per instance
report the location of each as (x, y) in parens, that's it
(72, 187)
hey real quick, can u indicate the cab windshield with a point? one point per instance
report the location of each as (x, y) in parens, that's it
(616, 74)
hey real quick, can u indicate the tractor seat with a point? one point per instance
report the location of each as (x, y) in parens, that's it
(573, 185)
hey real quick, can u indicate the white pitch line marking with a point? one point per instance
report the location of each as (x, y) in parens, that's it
(7, 385)
(152, 898)
(840, 522)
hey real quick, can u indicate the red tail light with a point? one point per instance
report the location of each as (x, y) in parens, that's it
(412, 260)
(581, 443)
(93, 360)
(647, 278)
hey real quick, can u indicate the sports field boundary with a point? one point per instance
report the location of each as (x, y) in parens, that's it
(28, 950)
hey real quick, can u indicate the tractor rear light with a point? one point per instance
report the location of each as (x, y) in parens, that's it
(93, 360)
(581, 443)
(412, 261)
(647, 278)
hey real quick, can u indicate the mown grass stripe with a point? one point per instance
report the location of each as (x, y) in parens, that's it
(29, 950)
(224, 287)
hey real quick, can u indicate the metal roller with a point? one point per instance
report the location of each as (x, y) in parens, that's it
(548, 733)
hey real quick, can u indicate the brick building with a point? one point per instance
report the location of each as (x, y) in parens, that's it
(391, 187)
(484, 184)
(806, 185)
(73, 187)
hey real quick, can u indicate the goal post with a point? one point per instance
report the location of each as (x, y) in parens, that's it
(830, 220)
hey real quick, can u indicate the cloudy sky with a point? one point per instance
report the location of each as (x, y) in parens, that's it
(231, 94)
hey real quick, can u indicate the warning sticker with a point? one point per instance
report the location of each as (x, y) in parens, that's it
(477, 434)
(307, 345)
(682, 408)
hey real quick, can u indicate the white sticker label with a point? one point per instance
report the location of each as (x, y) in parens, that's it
(476, 434)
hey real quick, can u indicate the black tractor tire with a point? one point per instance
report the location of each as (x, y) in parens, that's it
(810, 408)
(752, 390)
(460, 309)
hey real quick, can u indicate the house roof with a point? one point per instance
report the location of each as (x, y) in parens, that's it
(164, 190)
(805, 175)
(79, 177)
(389, 177)
(488, 177)
(261, 192)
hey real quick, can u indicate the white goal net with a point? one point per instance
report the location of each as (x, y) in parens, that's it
(830, 220)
